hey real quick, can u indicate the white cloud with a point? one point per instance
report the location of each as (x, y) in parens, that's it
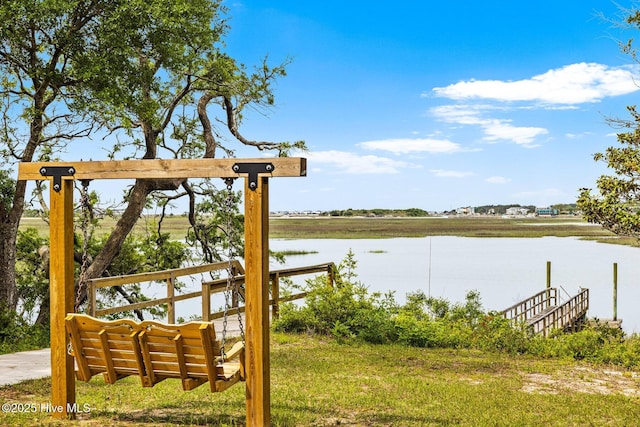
(442, 173)
(576, 135)
(460, 114)
(498, 180)
(416, 145)
(494, 129)
(351, 163)
(571, 84)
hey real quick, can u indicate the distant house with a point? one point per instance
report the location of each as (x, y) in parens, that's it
(548, 211)
(517, 211)
(466, 211)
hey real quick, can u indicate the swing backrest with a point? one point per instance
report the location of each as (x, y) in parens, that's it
(154, 351)
(189, 352)
(108, 347)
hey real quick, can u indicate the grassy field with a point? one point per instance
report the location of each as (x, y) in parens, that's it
(371, 228)
(317, 382)
(481, 226)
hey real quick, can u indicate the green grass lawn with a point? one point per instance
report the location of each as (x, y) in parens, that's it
(317, 382)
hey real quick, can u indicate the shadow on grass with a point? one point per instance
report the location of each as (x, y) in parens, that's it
(175, 415)
(289, 414)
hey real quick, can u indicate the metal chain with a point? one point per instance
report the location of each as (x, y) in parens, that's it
(236, 287)
(85, 206)
(231, 283)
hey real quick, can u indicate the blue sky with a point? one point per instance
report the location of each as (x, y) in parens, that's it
(438, 105)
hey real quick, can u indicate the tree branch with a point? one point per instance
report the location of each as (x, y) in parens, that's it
(207, 132)
(233, 128)
(175, 101)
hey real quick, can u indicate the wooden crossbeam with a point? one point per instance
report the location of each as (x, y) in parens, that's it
(160, 168)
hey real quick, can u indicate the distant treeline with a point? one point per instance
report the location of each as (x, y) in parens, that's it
(378, 212)
(565, 208)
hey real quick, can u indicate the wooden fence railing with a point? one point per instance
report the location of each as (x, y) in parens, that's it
(274, 277)
(566, 315)
(208, 287)
(531, 307)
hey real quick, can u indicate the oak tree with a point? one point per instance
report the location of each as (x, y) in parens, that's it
(145, 78)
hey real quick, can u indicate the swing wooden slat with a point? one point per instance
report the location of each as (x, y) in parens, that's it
(111, 349)
(154, 351)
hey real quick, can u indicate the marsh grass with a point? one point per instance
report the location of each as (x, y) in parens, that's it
(317, 382)
(176, 226)
(294, 252)
(368, 228)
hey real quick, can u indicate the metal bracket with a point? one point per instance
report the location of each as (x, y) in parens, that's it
(57, 172)
(253, 169)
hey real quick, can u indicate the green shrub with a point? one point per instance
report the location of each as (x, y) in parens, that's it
(375, 325)
(344, 311)
(626, 353)
(495, 333)
(18, 335)
(348, 312)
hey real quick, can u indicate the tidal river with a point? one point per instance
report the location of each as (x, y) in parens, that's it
(504, 270)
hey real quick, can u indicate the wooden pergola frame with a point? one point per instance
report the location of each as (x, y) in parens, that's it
(256, 222)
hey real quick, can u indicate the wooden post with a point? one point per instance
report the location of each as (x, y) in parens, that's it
(548, 295)
(93, 301)
(615, 291)
(61, 286)
(330, 275)
(257, 358)
(206, 301)
(171, 294)
(275, 295)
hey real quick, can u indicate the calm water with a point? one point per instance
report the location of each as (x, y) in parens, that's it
(504, 270)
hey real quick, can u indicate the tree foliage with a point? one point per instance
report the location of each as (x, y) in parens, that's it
(140, 79)
(616, 205)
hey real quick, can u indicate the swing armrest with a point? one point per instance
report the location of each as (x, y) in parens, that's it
(235, 350)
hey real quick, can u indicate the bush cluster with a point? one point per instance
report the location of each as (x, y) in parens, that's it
(18, 335)
(348, 311)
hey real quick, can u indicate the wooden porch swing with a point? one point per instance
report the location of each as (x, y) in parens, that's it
(152, 350)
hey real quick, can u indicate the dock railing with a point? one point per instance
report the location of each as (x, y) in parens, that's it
(532, 307)
(566, 315)
(208, 287)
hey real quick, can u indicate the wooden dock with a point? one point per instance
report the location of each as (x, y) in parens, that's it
(543, 313)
